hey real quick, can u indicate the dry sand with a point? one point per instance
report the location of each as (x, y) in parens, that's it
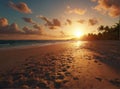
(76, 65)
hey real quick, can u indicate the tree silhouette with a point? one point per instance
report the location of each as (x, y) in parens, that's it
(105, 33)
(116, 28)
(110, 33)
(101, 28)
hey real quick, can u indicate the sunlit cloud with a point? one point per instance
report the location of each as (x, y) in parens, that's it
(69, 21)
(39, 27)
(81, 21)
(3, 22)
(52, 24)
(5, 28)
(35, 30)
(21, 7)
(78, 11)
(111, 7)
(52, 27)
(11, 29)
(48, 22)
(28, 20)
(56, 22)
(93, 21)
(28, 30)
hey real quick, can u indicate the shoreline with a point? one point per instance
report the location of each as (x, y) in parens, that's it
(51, 43)
(32, 45)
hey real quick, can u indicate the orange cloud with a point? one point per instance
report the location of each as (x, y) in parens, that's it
(55, 23)
(3, 22)
(76, 10)
(48, 22)
(81, 21)
(21, 7)
(69, 21)
(38, 27)
(11, 29)
(5, 28)
(93, 21)
(111, 7)
(28, 30)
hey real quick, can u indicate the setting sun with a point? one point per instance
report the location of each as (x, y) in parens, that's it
(78, 34)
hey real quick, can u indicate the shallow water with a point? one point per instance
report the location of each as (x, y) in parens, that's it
(22, 43)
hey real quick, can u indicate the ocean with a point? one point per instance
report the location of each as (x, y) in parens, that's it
(19, 43)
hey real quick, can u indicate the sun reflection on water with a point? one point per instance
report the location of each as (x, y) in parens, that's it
(78, 43)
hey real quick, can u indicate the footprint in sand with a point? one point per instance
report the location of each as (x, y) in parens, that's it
(75, 78)
(115, 82)
(99, 79)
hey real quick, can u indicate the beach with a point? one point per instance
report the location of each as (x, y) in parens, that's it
(69, 65)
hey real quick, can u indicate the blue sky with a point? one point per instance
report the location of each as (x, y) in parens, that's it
(74, 10)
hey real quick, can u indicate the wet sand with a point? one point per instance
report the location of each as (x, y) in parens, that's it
(75, 65)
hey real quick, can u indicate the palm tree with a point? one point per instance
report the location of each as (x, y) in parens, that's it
(107, 29)
(116, 28)
(101, 28)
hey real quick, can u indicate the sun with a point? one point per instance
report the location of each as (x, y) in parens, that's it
(78, 34)
(77, 31)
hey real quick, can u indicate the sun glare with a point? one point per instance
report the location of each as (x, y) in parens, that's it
(78, 34)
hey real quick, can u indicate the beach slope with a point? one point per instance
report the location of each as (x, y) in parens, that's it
(72, 65)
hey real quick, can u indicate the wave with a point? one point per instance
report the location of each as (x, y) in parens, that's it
(17, 43)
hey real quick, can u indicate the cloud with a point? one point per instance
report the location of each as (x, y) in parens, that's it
(28, 30)
(78, 11)
(48, 22)
(10, 29)
(35, 26)
(14, 28)
(56, 22)
(5, 28)
(69, 21)
(38, 27)
(21, 7)
(81, 21)
(28, 20)
(52, 24)
(53, 27)
(3, 22)
(93, 21)
(111, 7)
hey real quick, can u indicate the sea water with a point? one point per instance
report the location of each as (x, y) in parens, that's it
(19, 43)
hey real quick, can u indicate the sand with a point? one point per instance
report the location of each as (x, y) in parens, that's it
(73, 65)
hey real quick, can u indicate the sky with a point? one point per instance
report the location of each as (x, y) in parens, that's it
(55, 19)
